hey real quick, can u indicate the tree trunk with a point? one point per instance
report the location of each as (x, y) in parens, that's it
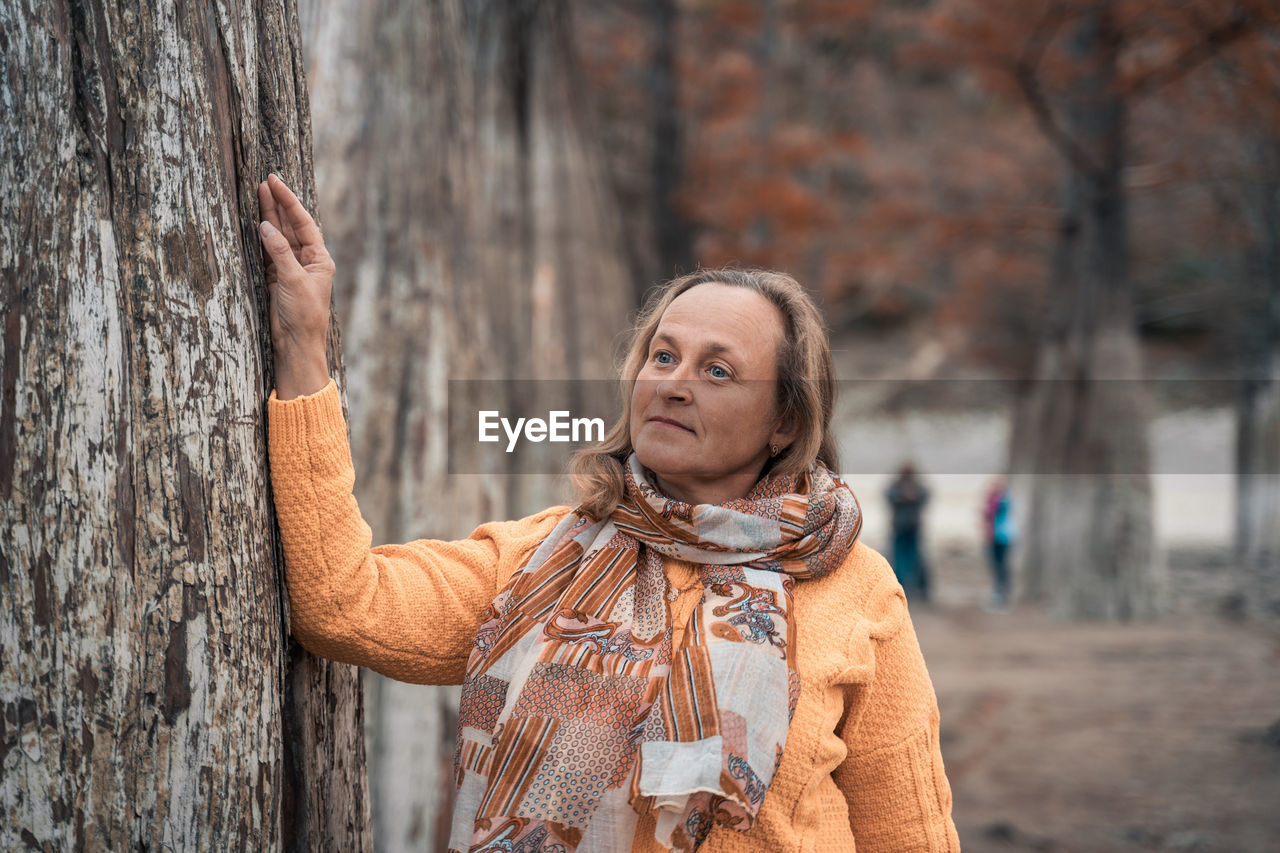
(473, 241)
(549, 247)
(1088, 545)
(151, 697)
(1258, 407)
(672, 233)
(760, 233)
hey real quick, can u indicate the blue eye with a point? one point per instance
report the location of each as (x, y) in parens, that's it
(661, 355)
(723, 374)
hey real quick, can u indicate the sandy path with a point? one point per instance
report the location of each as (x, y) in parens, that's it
(1061, 737)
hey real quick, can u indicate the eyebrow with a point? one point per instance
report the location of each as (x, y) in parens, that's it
(713, 348)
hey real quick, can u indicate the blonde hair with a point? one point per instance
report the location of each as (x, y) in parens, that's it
(806, 385)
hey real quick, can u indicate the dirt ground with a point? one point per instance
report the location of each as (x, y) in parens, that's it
(1085, 737)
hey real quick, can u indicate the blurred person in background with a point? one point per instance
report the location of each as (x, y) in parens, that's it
(999, 534)
(907, 497)
(699, 655)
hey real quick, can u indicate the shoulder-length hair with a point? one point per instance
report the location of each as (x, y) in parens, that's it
(806, 385)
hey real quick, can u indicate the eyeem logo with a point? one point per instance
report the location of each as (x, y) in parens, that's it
(558, 427)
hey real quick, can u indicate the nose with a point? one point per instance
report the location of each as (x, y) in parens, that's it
(676, 386)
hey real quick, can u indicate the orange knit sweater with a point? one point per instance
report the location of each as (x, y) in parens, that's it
(861, 768)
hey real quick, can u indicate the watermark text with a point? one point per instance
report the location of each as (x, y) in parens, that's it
(557, 427)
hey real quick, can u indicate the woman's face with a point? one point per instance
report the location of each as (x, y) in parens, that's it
(704, 406)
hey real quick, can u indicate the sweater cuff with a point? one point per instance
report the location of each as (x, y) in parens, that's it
(306, 419)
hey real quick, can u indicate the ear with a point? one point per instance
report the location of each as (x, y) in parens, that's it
(784, 433)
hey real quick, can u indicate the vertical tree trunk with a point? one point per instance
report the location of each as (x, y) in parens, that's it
(765, 51)
(674, 246)
(150, 696)
(1088, 545)
(472, 242)
(1258, 408)
(549, 232)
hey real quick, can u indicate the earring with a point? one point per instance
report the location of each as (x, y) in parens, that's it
(773, 450)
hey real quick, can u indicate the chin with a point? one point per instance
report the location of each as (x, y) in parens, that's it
(657, 461)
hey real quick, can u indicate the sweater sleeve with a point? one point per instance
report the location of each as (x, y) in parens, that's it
(893, 778)
(407, 611)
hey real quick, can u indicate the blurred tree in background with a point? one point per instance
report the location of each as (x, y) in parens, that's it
(1081, 68)
(1232, 149)
(816, 142)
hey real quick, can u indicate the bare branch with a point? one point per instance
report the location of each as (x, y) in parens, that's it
(1217, 39)
(1026, 73)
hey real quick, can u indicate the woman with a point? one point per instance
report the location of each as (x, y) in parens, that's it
(699, 655)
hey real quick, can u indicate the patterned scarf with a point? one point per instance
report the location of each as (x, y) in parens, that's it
(577, 712)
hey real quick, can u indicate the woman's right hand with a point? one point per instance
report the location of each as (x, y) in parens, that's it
(300, 280)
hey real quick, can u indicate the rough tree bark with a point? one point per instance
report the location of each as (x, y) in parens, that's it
(472, 241)
(1088, 543)
(150, 697)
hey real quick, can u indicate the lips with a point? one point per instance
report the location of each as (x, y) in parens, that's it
(669, 422)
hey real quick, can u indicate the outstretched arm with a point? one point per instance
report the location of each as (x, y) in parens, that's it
(407, 611)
